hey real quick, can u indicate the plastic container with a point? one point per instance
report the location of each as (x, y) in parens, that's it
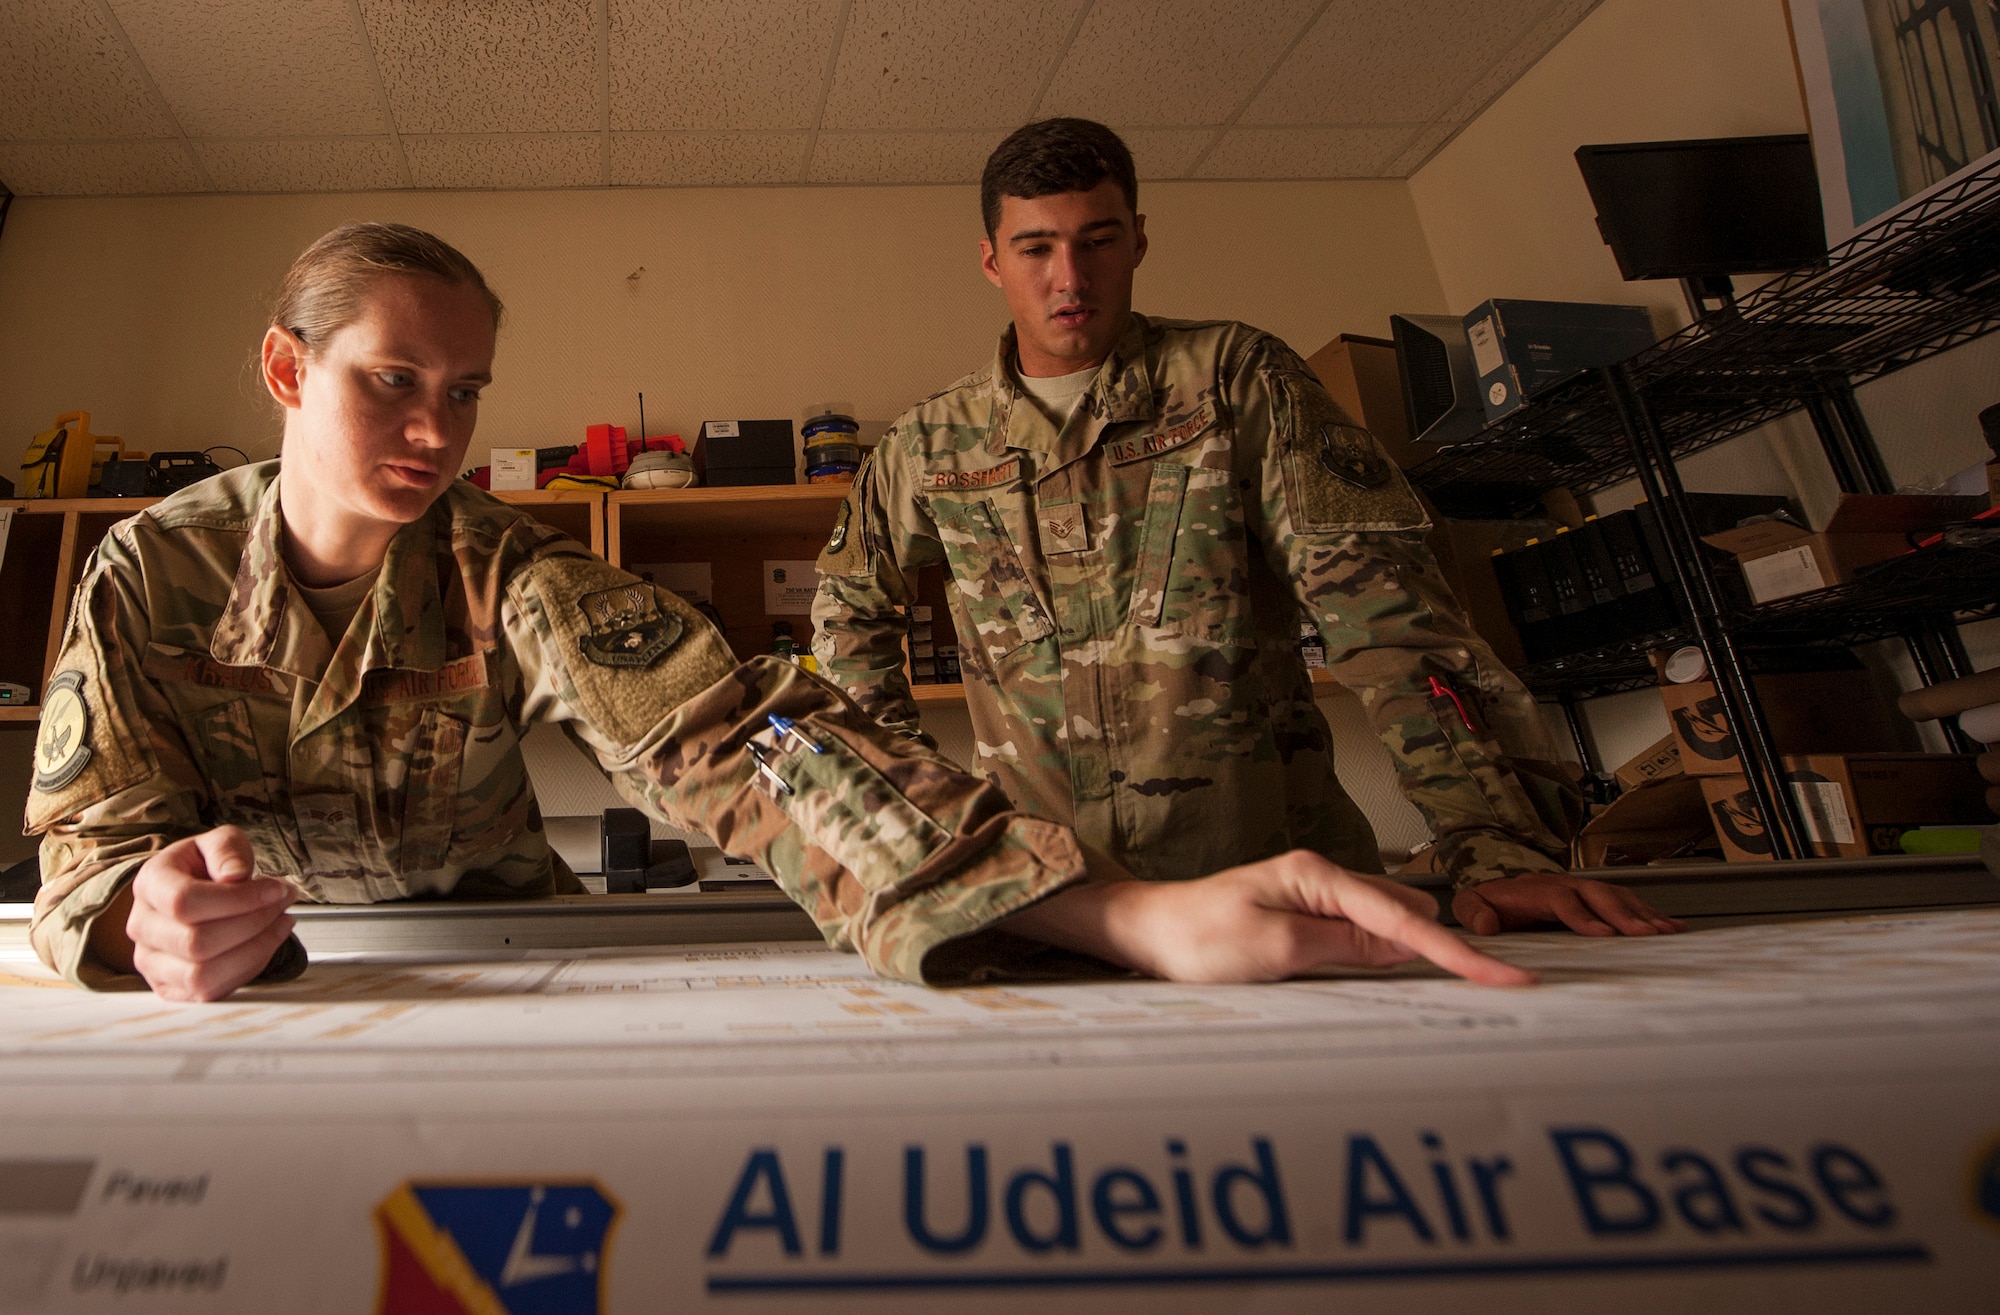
(832, 448)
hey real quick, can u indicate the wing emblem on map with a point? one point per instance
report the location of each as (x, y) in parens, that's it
(494, 1248)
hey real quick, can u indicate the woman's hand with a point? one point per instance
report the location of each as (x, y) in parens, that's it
(195, 922)
(1257, 923)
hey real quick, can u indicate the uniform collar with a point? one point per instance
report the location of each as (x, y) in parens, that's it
(263, 626)
(1121, 393)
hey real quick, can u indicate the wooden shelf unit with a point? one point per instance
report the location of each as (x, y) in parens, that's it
(579, 513)
(734, 530)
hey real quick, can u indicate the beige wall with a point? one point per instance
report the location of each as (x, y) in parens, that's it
(758, 302)
(1503, 205)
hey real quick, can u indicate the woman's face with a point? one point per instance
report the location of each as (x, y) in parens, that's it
(378, 417)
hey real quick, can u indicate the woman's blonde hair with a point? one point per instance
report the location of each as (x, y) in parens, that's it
(326, 287)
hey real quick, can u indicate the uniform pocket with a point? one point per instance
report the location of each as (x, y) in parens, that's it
(430, 791)
(238, 786)
(849, 809)
(1156, 544)
(1001, 606)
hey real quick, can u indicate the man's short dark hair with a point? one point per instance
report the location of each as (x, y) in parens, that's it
(1051, 156)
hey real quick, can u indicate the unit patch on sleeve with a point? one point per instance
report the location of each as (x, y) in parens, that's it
(1351, 454)
(838, 539)
(1122, 450)
(627, 628)
(62, 746)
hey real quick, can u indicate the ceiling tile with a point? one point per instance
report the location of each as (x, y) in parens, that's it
(97, 168)
(1172, 62)
(1424, 145)
(64, 73)
(302, 164)
(1306, 152)
(1368, 62)
(923, 65)
(248, 68)
(681, 64)
(1537, 40)
(1165, 152)
(506, 160)
(901, 157)
(487, 66)
(706, 159)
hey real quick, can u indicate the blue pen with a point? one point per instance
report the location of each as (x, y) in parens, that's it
(785, 726)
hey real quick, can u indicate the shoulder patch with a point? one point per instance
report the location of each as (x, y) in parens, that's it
(626, 654)
(62, 746)
(1136, 446)
(1352, 455)
(1337, 479)
(627, 627)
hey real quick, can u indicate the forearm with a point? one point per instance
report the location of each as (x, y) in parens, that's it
(891, 849)
(858, 636)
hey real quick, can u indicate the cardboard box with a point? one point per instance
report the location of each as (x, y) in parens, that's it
(1360, 374)
(1780, 560)
(511, 469)
(1652, 822)
(1807, 711)
(1854, 804)
(1657, 762)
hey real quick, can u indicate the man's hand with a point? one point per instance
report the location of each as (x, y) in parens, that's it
(1257, 923)
(1589, 908)
(199, 924)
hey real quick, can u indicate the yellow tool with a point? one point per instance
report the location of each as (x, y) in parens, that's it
(62, 462)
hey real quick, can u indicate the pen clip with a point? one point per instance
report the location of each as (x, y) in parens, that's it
(765, 769)
(1440, 690)
(786, 728)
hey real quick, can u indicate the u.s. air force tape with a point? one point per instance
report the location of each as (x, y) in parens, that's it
(62, 747)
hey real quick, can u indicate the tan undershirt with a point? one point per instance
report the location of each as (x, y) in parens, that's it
(336, 605)
(1058, 395)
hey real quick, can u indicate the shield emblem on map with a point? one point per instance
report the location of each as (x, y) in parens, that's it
(523, 1248)
(627, 627)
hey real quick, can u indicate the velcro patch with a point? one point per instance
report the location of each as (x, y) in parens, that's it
(1064, 528)
(62, 746)
(624, 701)
(627, 627)
(991, 477)
(165, 663)
(1133, 448)
(392, 685)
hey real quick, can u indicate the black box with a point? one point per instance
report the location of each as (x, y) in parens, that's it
(1521, 348)
(737, 452)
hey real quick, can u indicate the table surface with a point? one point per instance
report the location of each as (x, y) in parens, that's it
(1779, 1116)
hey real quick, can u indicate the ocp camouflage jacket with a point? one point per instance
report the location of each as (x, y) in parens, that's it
(195, 688)
(1127, 594)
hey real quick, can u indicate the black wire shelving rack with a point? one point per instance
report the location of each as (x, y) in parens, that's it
(1918, 283)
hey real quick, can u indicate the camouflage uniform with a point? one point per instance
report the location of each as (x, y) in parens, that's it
(1127, 595)
(194, 688)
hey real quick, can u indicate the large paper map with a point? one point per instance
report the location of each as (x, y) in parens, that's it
(1798, 1117)
(789, 1005)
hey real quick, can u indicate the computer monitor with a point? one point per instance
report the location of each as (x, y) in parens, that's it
(1707, 208)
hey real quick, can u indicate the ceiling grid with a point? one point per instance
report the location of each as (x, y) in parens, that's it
(133, 97)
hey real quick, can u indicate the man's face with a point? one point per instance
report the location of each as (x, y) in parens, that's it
(1065, 264)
